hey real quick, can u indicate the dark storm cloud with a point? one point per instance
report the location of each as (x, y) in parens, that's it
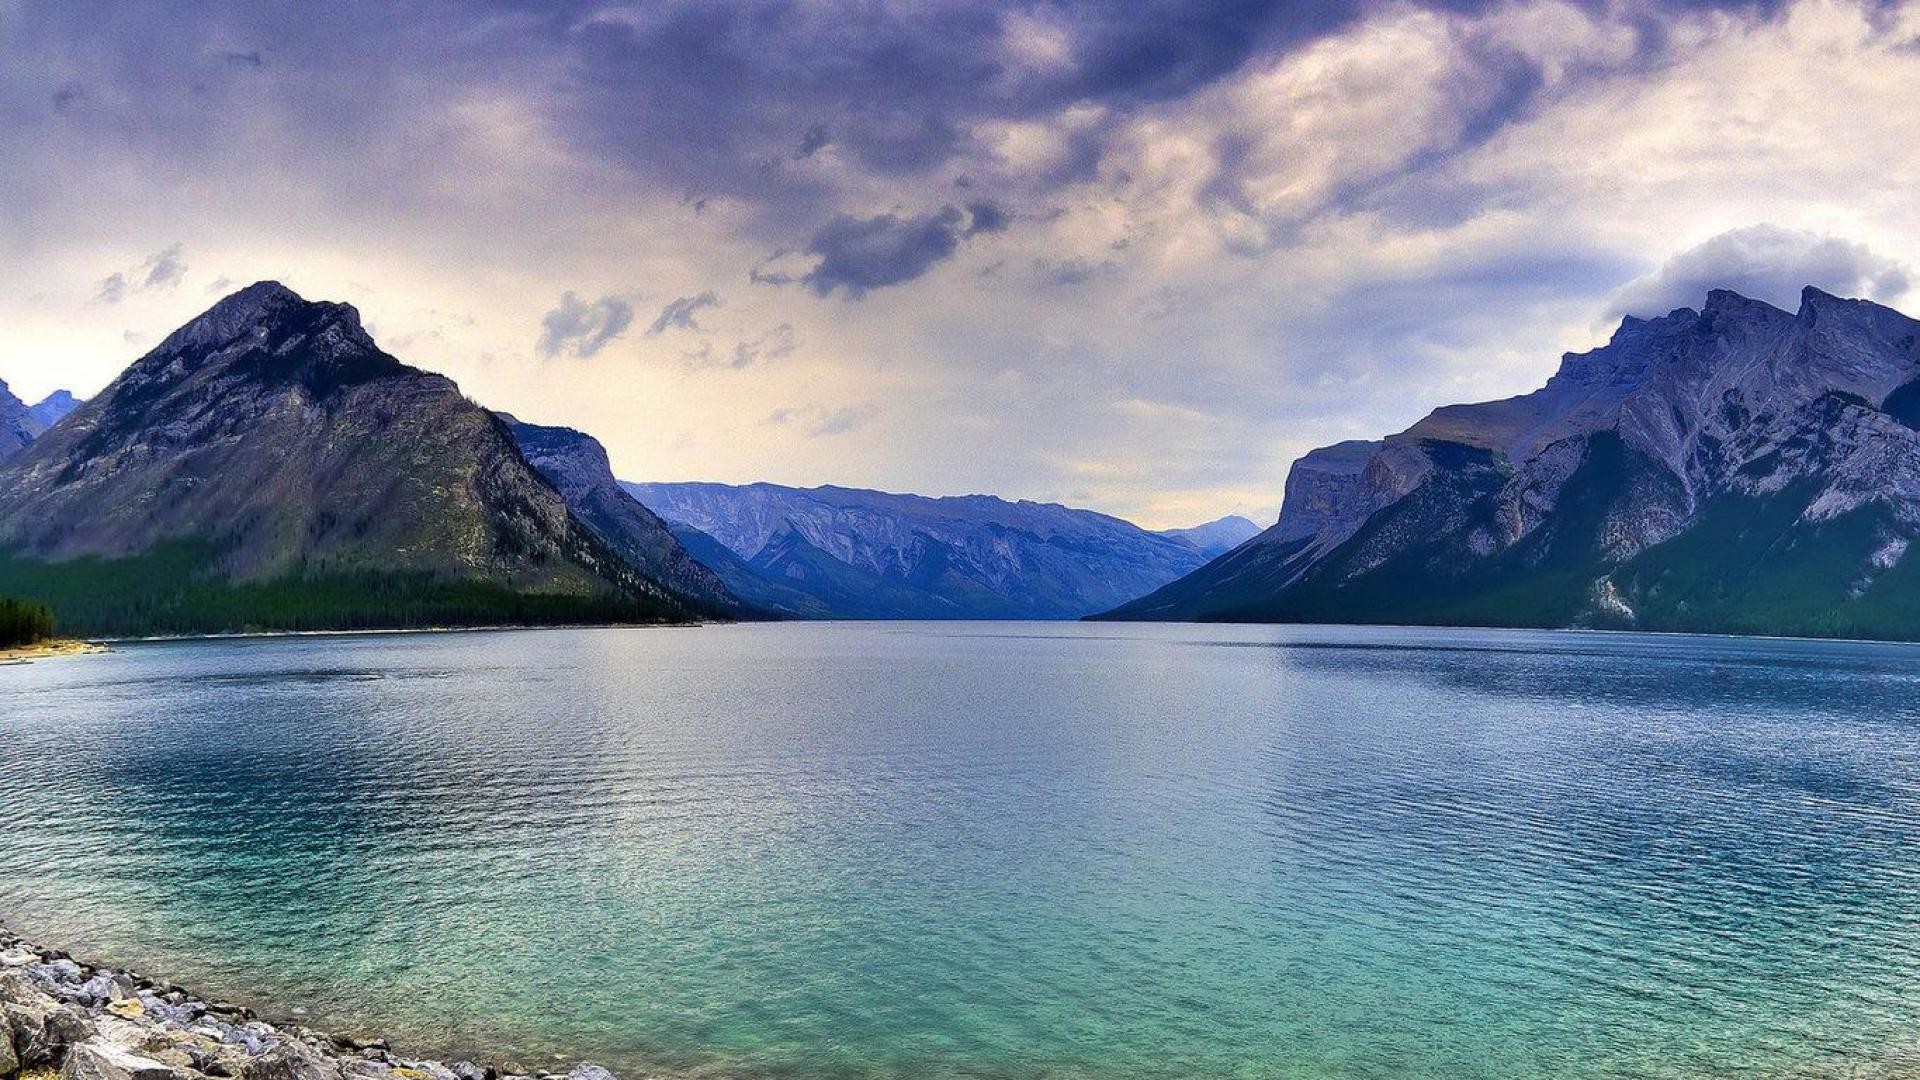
(579, 328)
(737, 99)
(681, 314)
(861, 254)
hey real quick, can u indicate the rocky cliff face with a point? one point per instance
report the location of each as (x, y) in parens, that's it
(870, 554)
(1738, 467)
(577, 467)
(283, 470)
(18, 426)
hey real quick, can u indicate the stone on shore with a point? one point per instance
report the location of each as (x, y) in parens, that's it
(97, 1023)
(97, 1059)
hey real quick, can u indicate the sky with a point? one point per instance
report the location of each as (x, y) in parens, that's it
(1133, 255)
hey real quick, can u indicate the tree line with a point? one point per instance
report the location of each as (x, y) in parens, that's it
(23, 623)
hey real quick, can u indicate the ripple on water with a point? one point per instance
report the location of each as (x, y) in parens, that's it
(1004, 851)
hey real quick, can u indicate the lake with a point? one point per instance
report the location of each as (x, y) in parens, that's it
(825, 851)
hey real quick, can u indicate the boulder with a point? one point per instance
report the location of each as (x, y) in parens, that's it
(9, 1060)
(41, 1034)
(291, 1061)
(96, 1059)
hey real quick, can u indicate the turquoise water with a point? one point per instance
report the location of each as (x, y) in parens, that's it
(987, 851)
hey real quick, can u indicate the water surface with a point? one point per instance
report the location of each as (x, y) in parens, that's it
(839, 852)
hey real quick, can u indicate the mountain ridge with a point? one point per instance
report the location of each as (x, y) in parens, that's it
(1789, 436)
(967, 556)
(274, 468)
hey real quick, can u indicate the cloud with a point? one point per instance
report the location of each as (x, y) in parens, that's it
(1072, 271)
(582, 329)
(818, 421)
(1765, 262)
(679, 314)
(815, 140)
(164, 269)
(861, 254)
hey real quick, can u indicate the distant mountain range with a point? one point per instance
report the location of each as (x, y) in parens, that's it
(1217, 537)
(853, 553)
(268, 466)
(20, 424)
(1735, 468)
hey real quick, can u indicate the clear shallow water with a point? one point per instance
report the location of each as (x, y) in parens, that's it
(985, 851)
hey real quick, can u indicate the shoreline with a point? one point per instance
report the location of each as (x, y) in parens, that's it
(48, 650)
(59, 1015)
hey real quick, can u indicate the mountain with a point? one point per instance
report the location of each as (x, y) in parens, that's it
(1217, 537)
(764, 592)
(871, 554)
(268, 466)
(577, 467)
(53, 408)
(17, 424)
(1737, 468)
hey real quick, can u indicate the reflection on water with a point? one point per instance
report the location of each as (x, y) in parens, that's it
(823, 851)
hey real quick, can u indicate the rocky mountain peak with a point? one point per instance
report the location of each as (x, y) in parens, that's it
(17, 426)
(253, 308)
(52, 408)
(267, 333)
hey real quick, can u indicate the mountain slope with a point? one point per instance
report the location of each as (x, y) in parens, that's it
(1736, 468)
(756, 589)
(269, 466)
(1217, 537)
(576, 465)
(53, 408)
(18, 427)
(871, 554)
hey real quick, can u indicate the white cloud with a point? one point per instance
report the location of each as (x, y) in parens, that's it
(1764, 262)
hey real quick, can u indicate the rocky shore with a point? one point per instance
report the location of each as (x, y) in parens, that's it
(63, 1018)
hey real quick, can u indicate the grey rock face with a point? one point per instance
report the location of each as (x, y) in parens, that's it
(576, 465)
(18, 427)
(1594, 485)
(908, 556)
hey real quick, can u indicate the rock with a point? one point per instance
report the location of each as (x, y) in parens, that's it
(587, 1070)
(99, 1060)
(42, 1034)
(18, 958)
(19, 989)
(126, 1008)
(291, 1061)
(467, 1070)
(9, 1060)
